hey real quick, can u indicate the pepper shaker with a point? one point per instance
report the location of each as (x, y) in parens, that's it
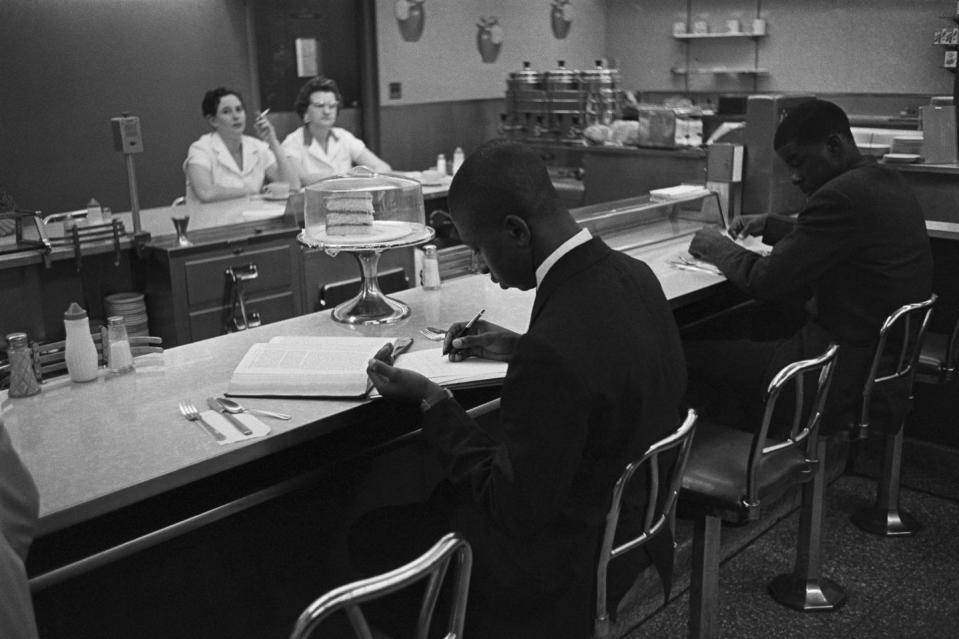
(23, 376)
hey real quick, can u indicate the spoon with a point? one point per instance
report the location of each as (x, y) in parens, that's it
(231, 406)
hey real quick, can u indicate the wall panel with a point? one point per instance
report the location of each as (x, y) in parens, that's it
(68, 66)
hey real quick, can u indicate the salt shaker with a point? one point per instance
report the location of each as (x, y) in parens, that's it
(117, 346)
(23, 376)
(458, 157)
(441, 164)
(430, 276)
(80, 352)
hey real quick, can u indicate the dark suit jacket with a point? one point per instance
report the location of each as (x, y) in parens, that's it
(598, 377)
(858, 251)
(18, 519)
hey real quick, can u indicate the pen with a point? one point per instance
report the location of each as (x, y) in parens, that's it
(465, 329)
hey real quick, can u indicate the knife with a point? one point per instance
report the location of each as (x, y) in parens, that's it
(240, 426)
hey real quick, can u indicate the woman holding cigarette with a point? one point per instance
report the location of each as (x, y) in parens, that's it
(318, 149)
(225, 163)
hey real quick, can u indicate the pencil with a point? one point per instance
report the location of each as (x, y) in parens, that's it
(464, 330)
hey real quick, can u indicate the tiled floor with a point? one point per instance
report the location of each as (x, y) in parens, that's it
(906, 587)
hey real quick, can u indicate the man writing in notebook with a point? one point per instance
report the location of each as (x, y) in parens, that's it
(596, 379)
(857, 251)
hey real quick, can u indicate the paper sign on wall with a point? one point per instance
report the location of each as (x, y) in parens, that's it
(307, 57)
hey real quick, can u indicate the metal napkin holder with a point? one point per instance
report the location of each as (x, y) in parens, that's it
(86, 234)
(29, 234)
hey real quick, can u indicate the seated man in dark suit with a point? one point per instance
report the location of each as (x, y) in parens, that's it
(596, 379)
(857, 251)
(18, 518)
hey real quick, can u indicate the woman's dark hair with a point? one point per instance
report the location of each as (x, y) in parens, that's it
(319, 83)
(211, 101)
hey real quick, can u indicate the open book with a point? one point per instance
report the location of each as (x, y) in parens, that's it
(336, 367)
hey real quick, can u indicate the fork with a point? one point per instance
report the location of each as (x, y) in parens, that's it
(433, 334)
(189, 411)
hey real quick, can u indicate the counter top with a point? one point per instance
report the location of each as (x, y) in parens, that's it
(248, 215)
(922, 167)
(97, 447)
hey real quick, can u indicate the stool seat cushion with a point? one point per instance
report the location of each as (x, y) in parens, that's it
(933, 353)
(714, 482)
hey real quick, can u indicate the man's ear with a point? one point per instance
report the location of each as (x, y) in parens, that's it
(517, 230)
(835, 145)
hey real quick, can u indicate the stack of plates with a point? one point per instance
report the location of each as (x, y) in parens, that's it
(909, 144)
(875, 150)
(133, 310)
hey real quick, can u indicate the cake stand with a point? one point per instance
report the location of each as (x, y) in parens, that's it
(370, 306)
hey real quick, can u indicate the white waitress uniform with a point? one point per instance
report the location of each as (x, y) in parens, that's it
(343, 150)
(211, 153)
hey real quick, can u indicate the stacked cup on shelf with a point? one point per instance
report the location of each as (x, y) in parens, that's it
(133, 309)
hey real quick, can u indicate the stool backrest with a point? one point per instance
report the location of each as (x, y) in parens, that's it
(805, 418)
(659, 508)
(433, 564)
(897, 351)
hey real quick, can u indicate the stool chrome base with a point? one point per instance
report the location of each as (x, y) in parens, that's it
(799, 593)
(885, 522)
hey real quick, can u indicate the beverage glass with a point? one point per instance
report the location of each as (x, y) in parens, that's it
(180, 224)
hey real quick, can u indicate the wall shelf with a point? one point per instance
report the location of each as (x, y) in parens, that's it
(707, 36)
(719, 71)
(688, 38)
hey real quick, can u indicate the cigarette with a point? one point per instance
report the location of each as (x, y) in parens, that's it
(264, 112)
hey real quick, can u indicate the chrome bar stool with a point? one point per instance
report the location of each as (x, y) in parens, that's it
(434, 565)
(659, 514)
(889, 386)
(733, 475)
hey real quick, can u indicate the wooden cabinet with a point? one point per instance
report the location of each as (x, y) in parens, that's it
(190, 291)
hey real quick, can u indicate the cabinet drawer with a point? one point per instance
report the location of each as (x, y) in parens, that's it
(213, 321)
(207, 281)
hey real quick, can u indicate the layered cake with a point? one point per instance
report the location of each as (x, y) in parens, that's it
(349, 214)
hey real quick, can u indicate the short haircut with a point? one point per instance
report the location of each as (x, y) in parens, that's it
(812, 122)
(211, 101)
(319, 83)
(500, 178)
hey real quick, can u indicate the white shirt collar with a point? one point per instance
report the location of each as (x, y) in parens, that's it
(580, 238)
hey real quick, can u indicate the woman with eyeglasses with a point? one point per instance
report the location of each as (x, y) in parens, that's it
(318, 149)
(225, 163)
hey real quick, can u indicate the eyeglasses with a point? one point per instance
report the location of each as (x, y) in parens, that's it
(325, 105)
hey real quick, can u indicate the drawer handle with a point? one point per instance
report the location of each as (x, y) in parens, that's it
(242, 273)
(242, 319)
(247, 319)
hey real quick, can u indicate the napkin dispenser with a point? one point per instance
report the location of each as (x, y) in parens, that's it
(939, 134)
(26, 232)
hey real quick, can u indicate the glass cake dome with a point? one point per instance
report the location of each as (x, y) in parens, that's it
(362, 206)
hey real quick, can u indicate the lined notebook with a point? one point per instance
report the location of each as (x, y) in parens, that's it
(336, 367)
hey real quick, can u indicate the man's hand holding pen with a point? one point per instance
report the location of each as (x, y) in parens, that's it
(483, 339)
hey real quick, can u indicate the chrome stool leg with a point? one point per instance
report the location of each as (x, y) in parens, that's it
(805, 588)
(704, 581)
(886, 518)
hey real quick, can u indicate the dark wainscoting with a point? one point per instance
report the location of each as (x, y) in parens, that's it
(411, 136)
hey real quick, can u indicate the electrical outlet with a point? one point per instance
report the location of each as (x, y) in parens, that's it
(396, 90)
